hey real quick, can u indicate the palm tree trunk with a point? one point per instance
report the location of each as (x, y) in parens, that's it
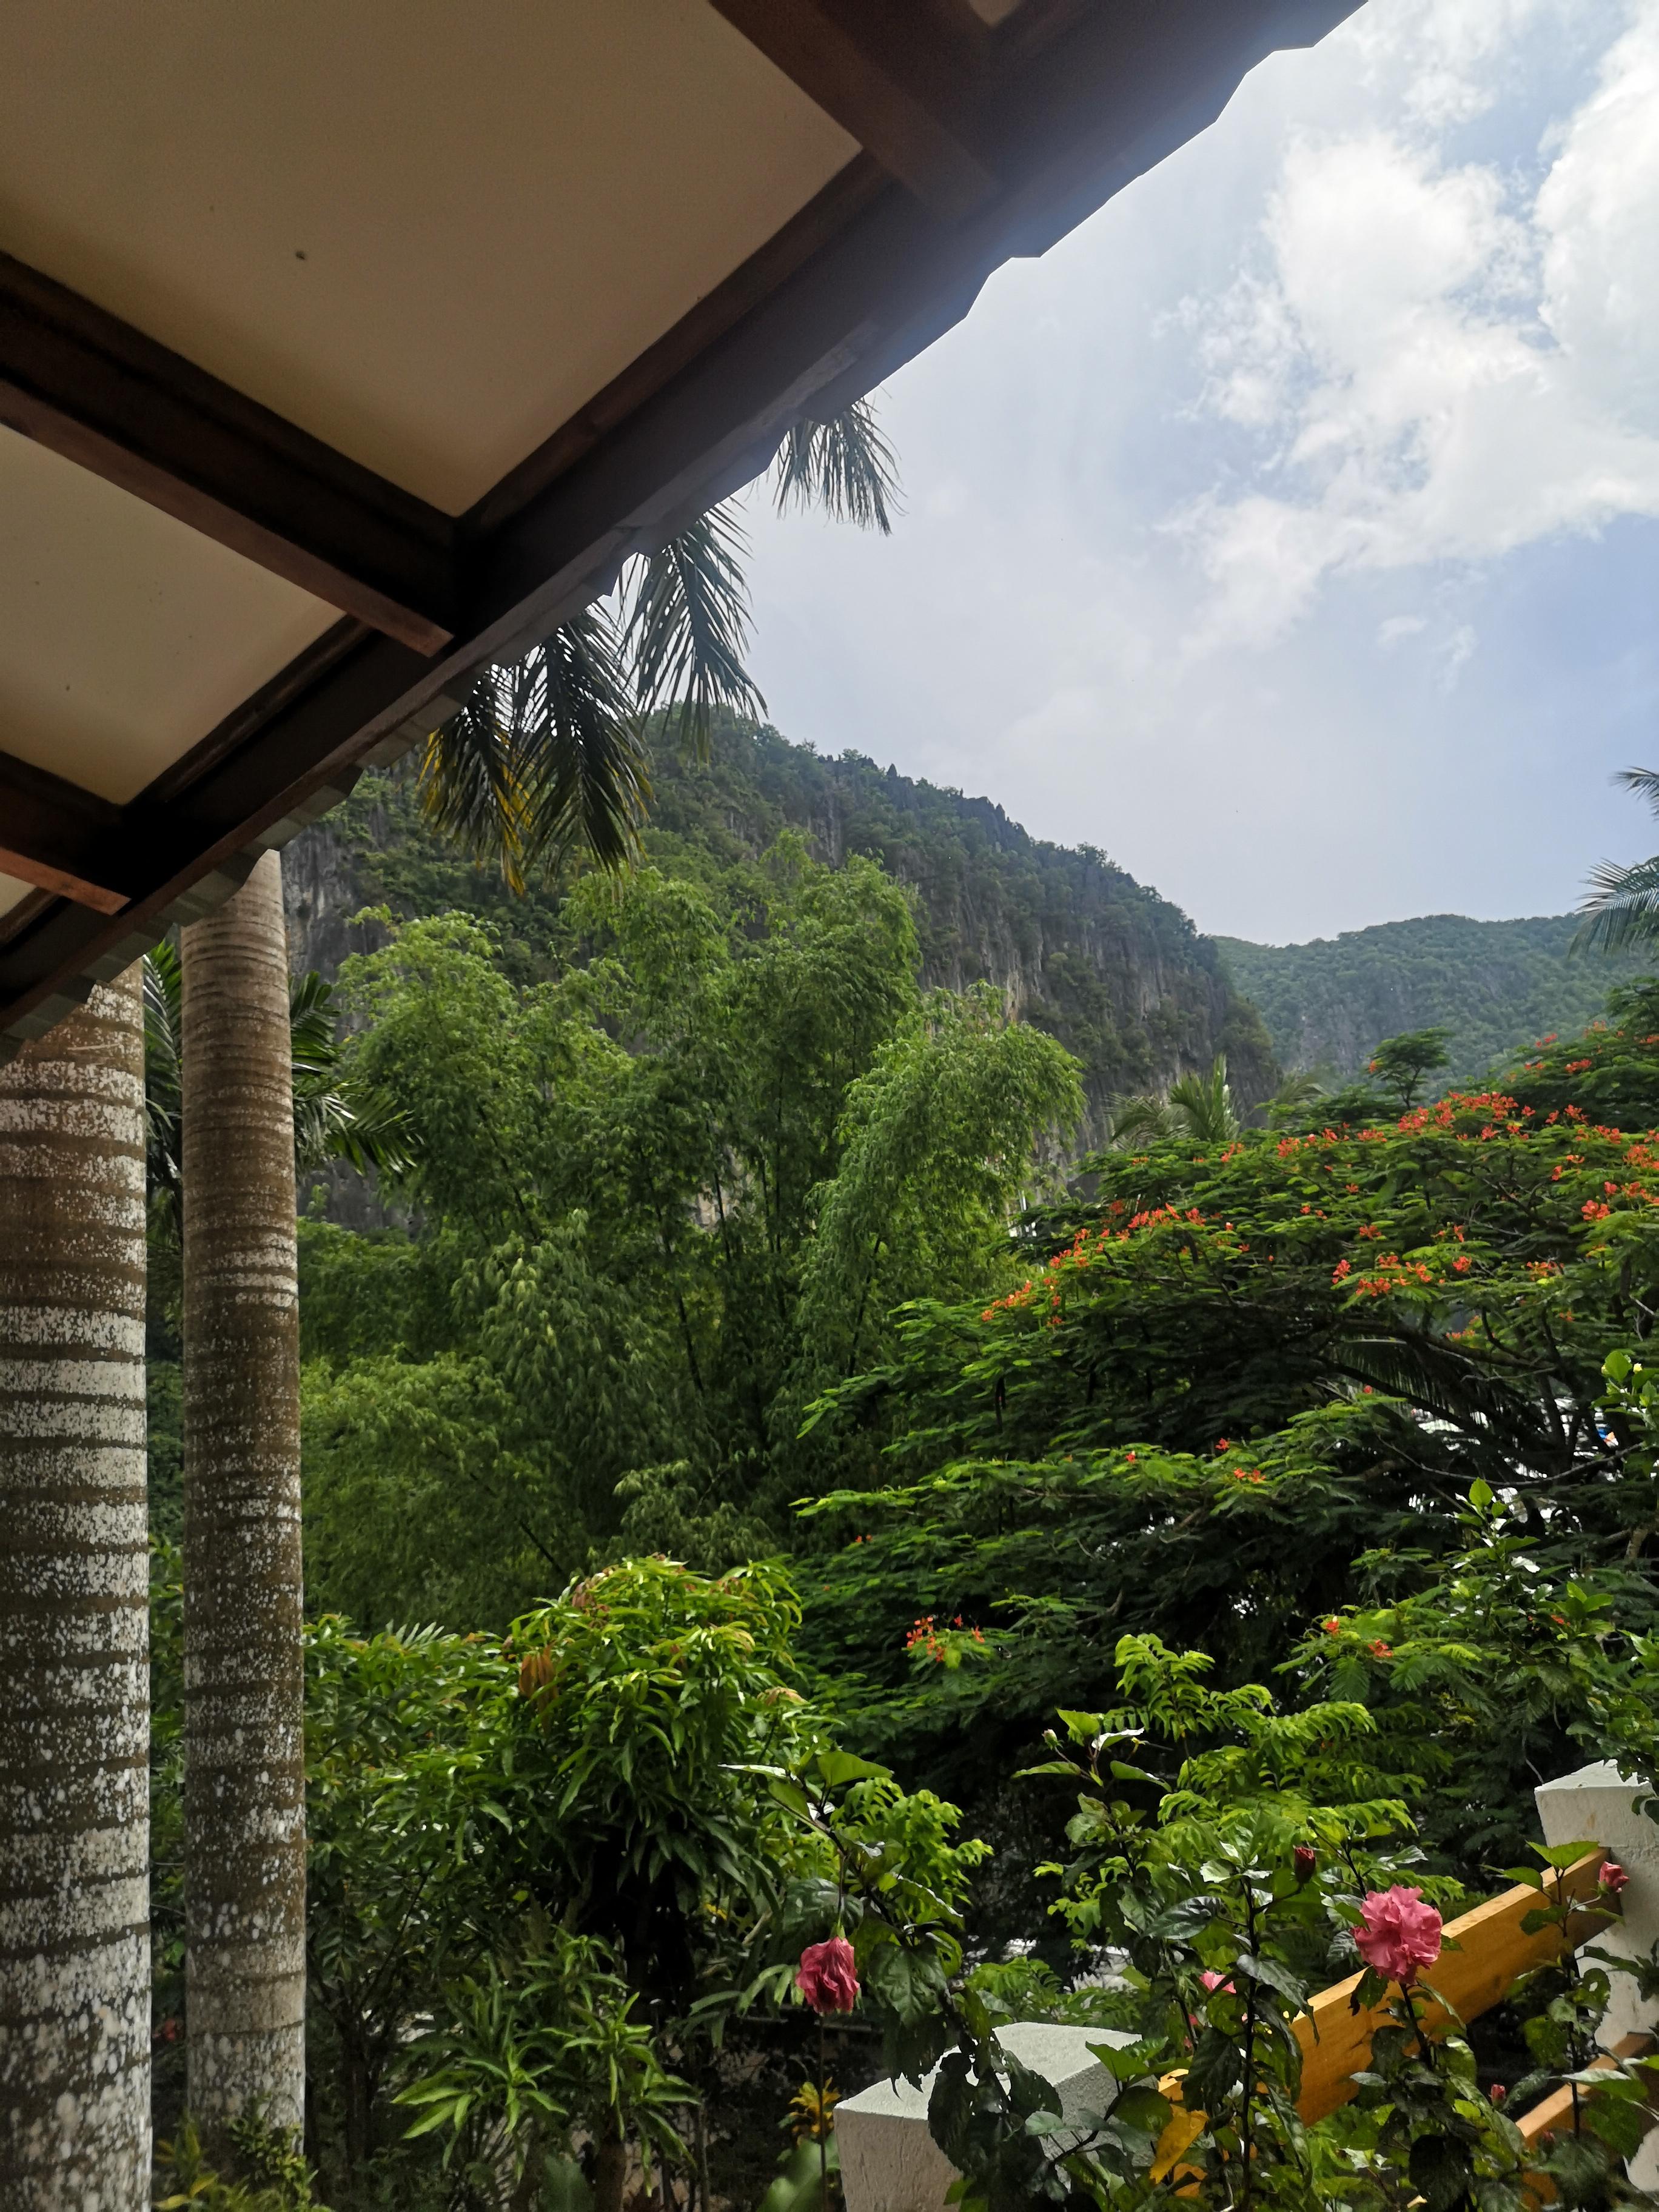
(74, 1616)
(244, 1685)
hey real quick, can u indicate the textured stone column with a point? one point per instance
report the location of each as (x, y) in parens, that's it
(244, 1763)
(74, 1617)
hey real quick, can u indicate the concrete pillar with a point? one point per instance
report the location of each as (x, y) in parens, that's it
(890, 2161)
(1596, 1805)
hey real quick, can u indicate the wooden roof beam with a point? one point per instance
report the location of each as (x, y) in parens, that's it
(857, 284)
(901, 76)
(88, 386)
(58, 837)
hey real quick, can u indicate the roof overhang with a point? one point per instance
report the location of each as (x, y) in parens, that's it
(342, 351)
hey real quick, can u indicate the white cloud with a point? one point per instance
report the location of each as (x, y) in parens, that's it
(1452, 53)
(1438, 371)
(1460, 651)
(1398, 626)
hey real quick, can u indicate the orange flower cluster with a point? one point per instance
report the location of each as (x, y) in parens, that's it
(926, 1637)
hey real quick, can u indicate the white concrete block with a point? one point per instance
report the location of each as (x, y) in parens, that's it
(888, 2160)
(1595, 1805)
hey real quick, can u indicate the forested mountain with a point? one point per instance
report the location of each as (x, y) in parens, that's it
(1495, 985)
(1076, 946)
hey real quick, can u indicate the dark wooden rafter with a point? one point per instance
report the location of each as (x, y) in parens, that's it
(59, 838)
(861, 282)
(904, 76)
(88, 386)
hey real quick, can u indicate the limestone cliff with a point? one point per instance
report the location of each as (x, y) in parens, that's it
(1074, 944)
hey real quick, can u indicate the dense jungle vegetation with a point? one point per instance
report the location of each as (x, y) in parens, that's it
(1117, 974)
(749, 1444)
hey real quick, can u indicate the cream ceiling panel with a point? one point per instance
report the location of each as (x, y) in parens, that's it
(125, 638)
(425, 232)
(11, 891)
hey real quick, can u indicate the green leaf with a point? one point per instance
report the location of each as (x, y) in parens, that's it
(1260, 1968)
(837, 1767)
(565, 2187)
(910, 1983)
(1560, 1856)
(800, 2187)
(1143, 2108)
(1622, 2122)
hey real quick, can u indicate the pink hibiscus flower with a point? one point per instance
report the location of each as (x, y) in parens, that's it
(1398, 1934)
(825, 1976)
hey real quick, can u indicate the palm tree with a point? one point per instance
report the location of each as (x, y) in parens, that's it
(1623, 906)
(544, 756)
(548, 754)
(244, 1796)
(1199, 1108)
(75, 1712)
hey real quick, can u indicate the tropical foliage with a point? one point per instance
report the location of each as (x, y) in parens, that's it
(1234, 1522)
(546, 755)
(1622, 909)
(1246, 1389)
(665, 1198)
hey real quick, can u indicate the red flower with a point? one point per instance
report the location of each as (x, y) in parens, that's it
(1213, 1982)
(1398, 1934)
(1333, 1626)
(1305, 1858)
(1497, 2093)
(826, 1978)
(1613, 1877)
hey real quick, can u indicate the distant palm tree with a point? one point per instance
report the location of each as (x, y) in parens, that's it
(1294, 1093)
(548, 754)
(1623, 906)
(1199, 1107)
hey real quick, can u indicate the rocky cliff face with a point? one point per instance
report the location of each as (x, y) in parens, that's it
(1074, 944)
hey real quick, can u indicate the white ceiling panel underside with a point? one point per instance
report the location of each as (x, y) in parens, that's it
(11, 891)
(427, 233)
(124, 637)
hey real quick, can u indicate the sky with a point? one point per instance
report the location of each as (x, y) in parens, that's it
(1291, 531)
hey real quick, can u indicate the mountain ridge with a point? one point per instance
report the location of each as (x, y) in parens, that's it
(1330, 1002)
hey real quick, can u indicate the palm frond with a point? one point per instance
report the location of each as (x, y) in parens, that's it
(334, 1116)
(543, 754)
(471, 780)
(548, 753)
(352, 1125)
(687, 630)
(1204, 1104)
(314, 1027)
(1622, 908)
(843, 465)
(163, 1095)
(1137, 1121)
(1643, 781)
(585, 766)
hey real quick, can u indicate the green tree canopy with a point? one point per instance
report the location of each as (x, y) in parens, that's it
(661, 1200)
(1243, 1387)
